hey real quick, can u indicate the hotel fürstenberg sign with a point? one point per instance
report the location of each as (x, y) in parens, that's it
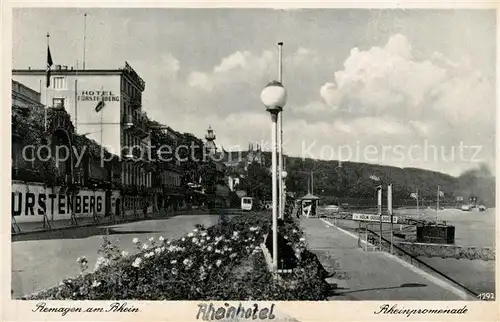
(98, 95)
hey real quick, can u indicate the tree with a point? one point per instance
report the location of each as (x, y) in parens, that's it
(191, 157)
(257, 182)
(209, 176)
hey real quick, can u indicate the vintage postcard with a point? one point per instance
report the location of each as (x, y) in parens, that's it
(202, 161)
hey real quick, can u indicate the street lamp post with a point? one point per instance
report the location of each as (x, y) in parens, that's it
(379, 201)
(280, 138)
(389, 210)
(274, 98)
(283, 197)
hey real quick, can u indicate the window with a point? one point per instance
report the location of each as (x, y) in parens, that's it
(59, 82)
(58, 102)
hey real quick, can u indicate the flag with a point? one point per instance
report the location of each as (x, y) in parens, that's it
(374, 177)
(49, 64)
(414, 195)
(99, 106)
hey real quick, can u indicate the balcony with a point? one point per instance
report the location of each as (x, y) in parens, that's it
(136, 125)
(132, 153)
(135, 102)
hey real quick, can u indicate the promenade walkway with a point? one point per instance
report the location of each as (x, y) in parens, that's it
(362, 275)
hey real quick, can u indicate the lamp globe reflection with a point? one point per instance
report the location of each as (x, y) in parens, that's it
(274, 97)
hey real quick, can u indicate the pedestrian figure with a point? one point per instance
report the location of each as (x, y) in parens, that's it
(146, 208)
(222, 211)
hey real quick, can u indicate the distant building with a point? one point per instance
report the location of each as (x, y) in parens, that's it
(211, 151)
(25, 97)
(244, 158)
(210, 146)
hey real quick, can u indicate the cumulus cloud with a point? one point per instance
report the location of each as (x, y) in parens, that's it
(389, 81)
(201, 81)
(170, 64)
(245, 67)
(385, 95)
(237, 68)
(330, 94)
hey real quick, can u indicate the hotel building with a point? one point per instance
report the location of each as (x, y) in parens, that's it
(105, 105)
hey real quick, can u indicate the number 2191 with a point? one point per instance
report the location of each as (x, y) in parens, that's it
(486, 296)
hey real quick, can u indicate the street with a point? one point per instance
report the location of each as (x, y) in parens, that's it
(41, 263)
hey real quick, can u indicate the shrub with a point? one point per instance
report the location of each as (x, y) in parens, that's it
(199, 266)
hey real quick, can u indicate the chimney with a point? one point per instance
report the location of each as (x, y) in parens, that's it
(64, 67)
(58, 67)
(71, 67)
(29, 67)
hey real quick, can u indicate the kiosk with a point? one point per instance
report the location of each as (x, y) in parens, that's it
(309, 205)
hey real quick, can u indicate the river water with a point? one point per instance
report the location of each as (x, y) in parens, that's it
(472, 228)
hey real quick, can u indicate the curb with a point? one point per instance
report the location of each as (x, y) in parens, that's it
(118, 222)
(121, 221)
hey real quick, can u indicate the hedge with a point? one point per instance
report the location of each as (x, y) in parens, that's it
(221, 262)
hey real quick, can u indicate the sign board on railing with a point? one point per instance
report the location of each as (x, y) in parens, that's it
(375, 218)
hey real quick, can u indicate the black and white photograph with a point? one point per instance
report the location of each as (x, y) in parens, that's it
(253, 154)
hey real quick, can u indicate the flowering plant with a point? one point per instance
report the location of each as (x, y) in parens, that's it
(203, 265)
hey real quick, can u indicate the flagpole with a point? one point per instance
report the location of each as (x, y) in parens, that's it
(418, 212)
(312, 182)
(437, 206)
(102, 110)
(76, 99)
(46, 86)
(84, 37)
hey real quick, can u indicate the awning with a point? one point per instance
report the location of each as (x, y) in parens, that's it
(310, 197)
(174, 191)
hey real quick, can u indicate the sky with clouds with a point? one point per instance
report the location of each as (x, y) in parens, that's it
(409, 88)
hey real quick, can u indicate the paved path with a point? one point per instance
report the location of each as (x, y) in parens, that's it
(45, 259)
(371, 275)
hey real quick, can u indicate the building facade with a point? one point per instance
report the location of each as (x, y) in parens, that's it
(78, 188)
(23, 100)
(25, 97)
(168, 176)
(104, 105)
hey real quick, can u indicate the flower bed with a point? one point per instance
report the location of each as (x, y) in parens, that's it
(221, 262)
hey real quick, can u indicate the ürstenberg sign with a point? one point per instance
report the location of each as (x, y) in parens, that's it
(375, 218)
(31, 201)
(106, 96)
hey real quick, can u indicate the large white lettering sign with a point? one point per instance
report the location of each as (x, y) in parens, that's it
(367, 217)
(98, 95)
(30, 202)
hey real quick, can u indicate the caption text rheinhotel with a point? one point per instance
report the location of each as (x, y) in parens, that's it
(248, 311)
